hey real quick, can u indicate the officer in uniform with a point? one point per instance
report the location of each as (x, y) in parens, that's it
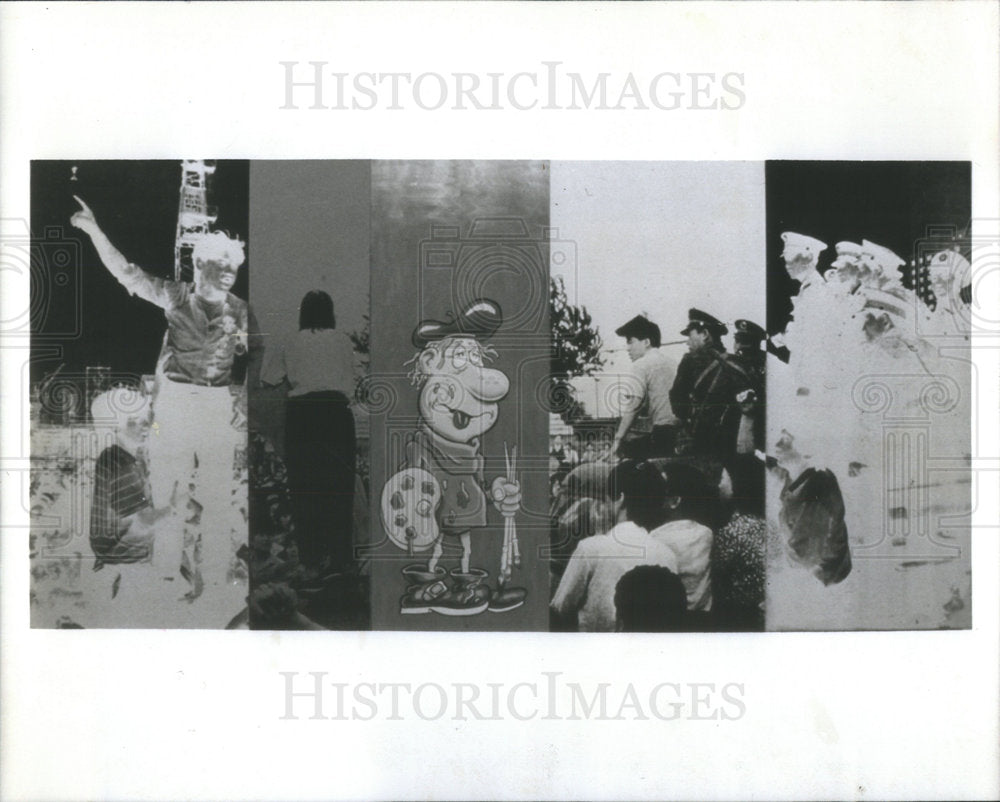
(704, 334)
(747, 339)
(704, 396)
(745, 469)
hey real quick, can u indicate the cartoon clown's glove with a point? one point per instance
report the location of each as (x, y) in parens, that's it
(506, 495)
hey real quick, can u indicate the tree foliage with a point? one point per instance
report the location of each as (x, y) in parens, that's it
(576, 342)
(575, 349)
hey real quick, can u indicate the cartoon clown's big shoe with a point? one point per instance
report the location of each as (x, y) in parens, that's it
(469, 594)
(505, 599)
(425, 587)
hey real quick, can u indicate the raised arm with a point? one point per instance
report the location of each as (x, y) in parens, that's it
(137, 281)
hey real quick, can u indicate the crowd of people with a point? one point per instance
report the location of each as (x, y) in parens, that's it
(678, 499)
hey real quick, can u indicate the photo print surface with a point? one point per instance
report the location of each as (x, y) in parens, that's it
(141, 343)
(571, 396)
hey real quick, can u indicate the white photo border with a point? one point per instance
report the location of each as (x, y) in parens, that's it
(199, 715)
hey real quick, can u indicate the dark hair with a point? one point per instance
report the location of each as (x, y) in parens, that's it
(641, 328)
(644, 489)
(699, 497)
(650, 598)
(316, 311)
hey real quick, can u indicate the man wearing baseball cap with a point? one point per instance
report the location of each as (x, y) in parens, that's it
(647, 392)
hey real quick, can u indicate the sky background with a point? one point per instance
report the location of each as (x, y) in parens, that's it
(658, 238)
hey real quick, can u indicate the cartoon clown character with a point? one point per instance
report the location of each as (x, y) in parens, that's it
(440, 493)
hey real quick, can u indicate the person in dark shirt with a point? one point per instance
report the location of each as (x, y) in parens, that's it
(704, 334)
(704, 394)
(651, 598)
(122, 516)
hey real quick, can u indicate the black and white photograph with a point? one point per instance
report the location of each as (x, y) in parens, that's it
(657, 471)
(142, 339)
(460, 353)
(308, 447)
(499, 400)
(870, 382)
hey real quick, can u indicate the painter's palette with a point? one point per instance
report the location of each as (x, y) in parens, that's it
(409, 501)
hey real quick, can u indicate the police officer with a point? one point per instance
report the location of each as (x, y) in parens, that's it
(704, 334)
(747, 339)
(745, 470)
(705, 393)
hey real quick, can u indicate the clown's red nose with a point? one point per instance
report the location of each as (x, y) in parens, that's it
(492, 385)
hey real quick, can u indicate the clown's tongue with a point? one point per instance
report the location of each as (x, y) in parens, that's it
(460, 419)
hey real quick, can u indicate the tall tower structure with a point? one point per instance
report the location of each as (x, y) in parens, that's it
(194, 217)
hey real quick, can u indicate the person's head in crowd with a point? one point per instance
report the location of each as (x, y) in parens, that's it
(316, 312)
(687, 494)
(703, 331)
(747, 338)
(650, 598)
(638, 489)
(124, 411)
(590, 479)
(641, 334)
(217, 258)
(585, 517)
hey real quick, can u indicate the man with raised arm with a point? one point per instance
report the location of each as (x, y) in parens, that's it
(199, 405)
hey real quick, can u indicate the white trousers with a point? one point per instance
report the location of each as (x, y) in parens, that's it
(193, 447)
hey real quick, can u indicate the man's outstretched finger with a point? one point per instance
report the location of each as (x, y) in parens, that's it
(83, 206)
